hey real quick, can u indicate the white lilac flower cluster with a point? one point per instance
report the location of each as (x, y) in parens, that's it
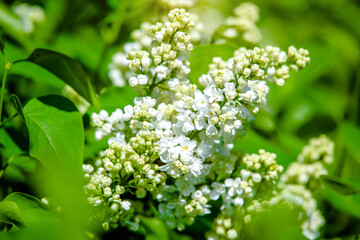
(242, 192)
(165, 43)
(243, 23)
(173, 146)
(302, 178)
(295, 189)
(29, 16)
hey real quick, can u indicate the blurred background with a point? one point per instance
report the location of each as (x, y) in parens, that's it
(323, 98)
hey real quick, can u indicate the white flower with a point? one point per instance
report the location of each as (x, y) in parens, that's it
(132, 46)
(116, 116)
(184, 187)
(238, 201)
(184, 122)
(218, 189)
(125, 205)
(229, 90)
(211, 130)
(119, 138)
(145, 62)
(142, 79)
(256, 177)
(214, 94)
(133, 81)
(117, 78)
(129, 111)
(187, 147)
(234, 186)
(200, 101)
(196, 195)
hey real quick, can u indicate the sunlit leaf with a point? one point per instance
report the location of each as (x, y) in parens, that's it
(57, 140)
(33, 211)
(56, 132)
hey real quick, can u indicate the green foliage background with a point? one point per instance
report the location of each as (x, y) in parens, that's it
(323, 98)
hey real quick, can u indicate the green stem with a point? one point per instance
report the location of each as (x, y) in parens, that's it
(153, 85)
(6, 69)
(9, 119)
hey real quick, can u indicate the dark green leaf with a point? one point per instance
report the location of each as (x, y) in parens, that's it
(65, 68)
(351, 137)
(202, 56)
(15, 103)
(11, 148)
(348, 204)
(339, 185)
(32, 210)
(10, 211)
(8, 226)
(2, 44)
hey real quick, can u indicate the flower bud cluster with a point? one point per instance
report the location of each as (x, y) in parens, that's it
(244, 23)
(165, 44)
(223, 228)
(310, 216)
(124, 167)
(310, 164)
(302, 177)
(178, 212)
(259, 175)
(319, 149)
(239, 193)
(281, 62)
(139, 61)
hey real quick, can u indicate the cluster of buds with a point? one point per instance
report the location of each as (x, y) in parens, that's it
(244, 23)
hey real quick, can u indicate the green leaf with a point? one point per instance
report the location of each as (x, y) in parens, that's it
(15, 103)
(32, 210)
(339, 185)
(56, 139)
(351, 136)
(115, 97)
(7, 226)
(56, 132)
(155, 229)
(10, 211)
(65, 68)
(348, 204)
(202, 56)
(252, 142)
